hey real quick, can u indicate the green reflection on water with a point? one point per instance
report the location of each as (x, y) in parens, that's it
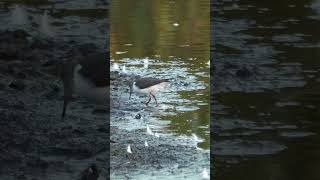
(162, 30)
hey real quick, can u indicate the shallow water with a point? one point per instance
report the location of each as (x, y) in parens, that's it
(265, 122)
(168, 40)
(166, 47)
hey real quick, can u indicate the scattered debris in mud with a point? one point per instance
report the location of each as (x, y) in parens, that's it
(142, 149)
(36, 143)
(35, 39)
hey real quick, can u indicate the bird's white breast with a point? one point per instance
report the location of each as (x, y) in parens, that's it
(86, 89)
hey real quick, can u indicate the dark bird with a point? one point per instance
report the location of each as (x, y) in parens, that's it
(148, 87)
(88, 78)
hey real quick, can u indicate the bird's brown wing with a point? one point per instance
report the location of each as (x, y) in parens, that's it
(148, 82)
(97, 68)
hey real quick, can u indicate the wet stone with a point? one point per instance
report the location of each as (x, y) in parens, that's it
(138, 116)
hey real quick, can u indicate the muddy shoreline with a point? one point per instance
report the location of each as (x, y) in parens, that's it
(36, 143)
(166, 155)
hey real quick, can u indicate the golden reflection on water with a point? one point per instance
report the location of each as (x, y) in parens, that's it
(168, 30)
(146, 28)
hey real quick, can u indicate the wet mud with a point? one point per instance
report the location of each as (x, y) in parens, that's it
(166, 155)
(36, 38)
(35, 142)
(177, 131)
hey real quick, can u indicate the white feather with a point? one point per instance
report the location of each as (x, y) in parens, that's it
(205, 174)
(149, 131)
(86, 89)
(129, 149)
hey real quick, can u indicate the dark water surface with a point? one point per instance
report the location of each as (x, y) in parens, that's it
(266, 98)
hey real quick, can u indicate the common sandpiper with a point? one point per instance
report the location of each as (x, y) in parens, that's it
(87, 78)
(148, 87)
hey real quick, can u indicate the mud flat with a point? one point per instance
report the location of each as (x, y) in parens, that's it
(167, 155)
(35, 142)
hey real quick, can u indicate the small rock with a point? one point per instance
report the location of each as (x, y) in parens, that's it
(138, 116)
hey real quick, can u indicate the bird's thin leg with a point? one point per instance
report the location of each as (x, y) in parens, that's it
(154, 97)
(148, 100)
